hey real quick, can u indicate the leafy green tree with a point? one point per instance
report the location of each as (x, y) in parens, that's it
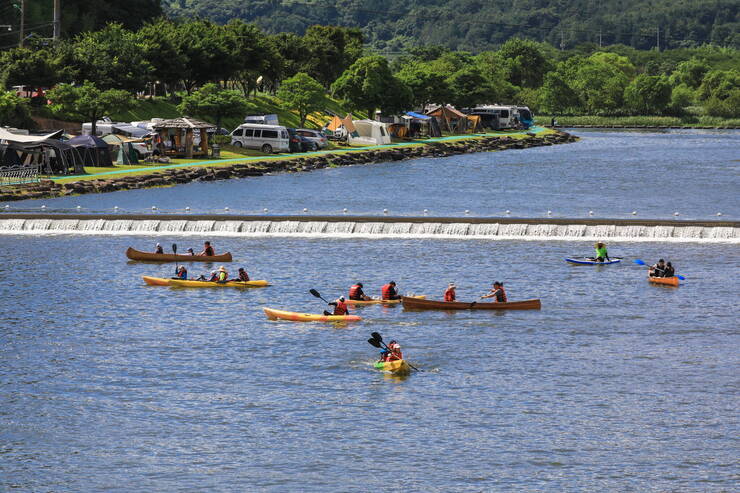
(728, 107)
(160, 47)
(525, 61)
(209, 53)
(87, 102)
(648, 94)
(211, 101)
(719, 84)
(427, 85)
(14, 110)
(255, 55)
(681, 97)
(303, 94)
(24, 66)
(468, 87)
(331, 50)
(113, 58)
(690, 73)
(600, 81)
(369, 84)
(557, 96)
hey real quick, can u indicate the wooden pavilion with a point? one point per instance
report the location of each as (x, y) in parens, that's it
(177, 137)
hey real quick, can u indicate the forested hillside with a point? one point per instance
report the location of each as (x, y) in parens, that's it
(476, 25)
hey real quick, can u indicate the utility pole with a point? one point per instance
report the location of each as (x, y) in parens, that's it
(657, 37)
(599, 37)
(562, 40)
(57, 19)
(23, 19)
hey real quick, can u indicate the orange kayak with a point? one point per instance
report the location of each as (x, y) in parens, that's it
(666, 281)
(156, 281)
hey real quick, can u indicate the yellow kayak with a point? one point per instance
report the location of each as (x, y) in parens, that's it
(179, 283)
(378, 301)
(156, 281)
(397, 367)
(273, 314)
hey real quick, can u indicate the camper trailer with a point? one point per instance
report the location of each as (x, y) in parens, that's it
(500, 117)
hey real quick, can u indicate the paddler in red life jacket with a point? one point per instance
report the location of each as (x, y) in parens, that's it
(356, 293)
(243, 276)
(208, 250)
(389, 292)
(497, 293)
(182, 273)
(395, 351)
(450, 292)
(340, 307)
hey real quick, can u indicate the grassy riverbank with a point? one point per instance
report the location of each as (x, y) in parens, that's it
(641, 121)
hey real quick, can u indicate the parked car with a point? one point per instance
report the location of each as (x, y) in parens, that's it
(271, 119)
(314, 136)
(267, 138)
(299, 143)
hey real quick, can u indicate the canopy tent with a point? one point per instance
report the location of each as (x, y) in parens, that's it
(27, 139)
(93, 149)
(52, 157)
(9, 155)
(418, 124)
(450, 118)
(176, 136)
(123, 148)
(129, 130)
(418, 116)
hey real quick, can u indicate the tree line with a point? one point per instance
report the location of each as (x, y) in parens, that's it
(204, 65)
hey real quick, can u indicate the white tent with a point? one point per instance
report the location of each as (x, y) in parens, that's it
(26, 139)
(369, 132)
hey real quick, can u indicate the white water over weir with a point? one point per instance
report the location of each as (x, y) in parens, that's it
(373, 227)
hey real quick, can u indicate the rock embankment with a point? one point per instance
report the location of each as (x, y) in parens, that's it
(174, 176)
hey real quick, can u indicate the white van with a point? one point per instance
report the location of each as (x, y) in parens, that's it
(267, 138)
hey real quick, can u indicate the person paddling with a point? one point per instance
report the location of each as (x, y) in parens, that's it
(222, 275)
(243, 276)
(357, 294)
(450, 294)
(340, 307)
(208, 250)
(601, 253)
(658, 269)
(393, 353)
(389, 292)
(181, 273)
(159, 249)
(669, 270)
(498, 293)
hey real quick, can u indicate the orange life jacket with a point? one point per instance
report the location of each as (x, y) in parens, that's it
(354, 292)
(387, 292)
(341, 308)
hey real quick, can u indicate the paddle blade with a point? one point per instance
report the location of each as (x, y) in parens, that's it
(174, 248)
(315, 293)
(639, 262)
(373, 342)
(377, 337)
(681, 277)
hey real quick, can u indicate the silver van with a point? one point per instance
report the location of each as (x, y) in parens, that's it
(267, 138)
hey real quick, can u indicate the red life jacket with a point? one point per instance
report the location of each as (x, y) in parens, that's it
(450, 294)
(354, 292)
(243, 276)
(387, 292)
(394, 355)
(341, 308)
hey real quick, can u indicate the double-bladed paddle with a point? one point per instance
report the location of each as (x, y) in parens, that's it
(640, 262)
(174, 250)
(377, 340)
(317, 295)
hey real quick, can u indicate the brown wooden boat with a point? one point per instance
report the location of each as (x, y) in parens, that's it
(422, 304)
(171, 257)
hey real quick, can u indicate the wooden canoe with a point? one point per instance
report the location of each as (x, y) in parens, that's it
(171, 257)
(379, 301)
(666, 281)
(273, 314)
(422, 304)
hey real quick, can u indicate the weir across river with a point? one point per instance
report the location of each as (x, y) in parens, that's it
(401, 227)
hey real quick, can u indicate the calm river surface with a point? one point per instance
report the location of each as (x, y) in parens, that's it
(612, 173)
(615, 385)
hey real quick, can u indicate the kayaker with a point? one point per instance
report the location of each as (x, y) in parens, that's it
(243, 276)
(340, 307)
(450, 292)
(394, 353)
(158, 249)
(389, 292)
(657, 270)
(208, 250)
(601, 253)
(669, 270)
(356, 293)
(190, 251)
(222, 274)
(498, 293)
(182, 273)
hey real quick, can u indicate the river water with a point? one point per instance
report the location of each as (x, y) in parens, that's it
(107, 384)
(693, 172)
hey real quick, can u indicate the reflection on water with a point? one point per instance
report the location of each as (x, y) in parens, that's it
(109, 383)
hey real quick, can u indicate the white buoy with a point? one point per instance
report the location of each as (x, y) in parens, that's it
(154, 207)
(226, 209)
(7, 206)
(79, 207)
(590, 213)
(43, 207)
(305, 209)
(264, 210)
(549, 213)
(508, 211)
(344, 210)
(426, 211)
(719, 213)
(467, 211)
(385, 211)
(634, 213)
(675, 213)
(115, 207)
